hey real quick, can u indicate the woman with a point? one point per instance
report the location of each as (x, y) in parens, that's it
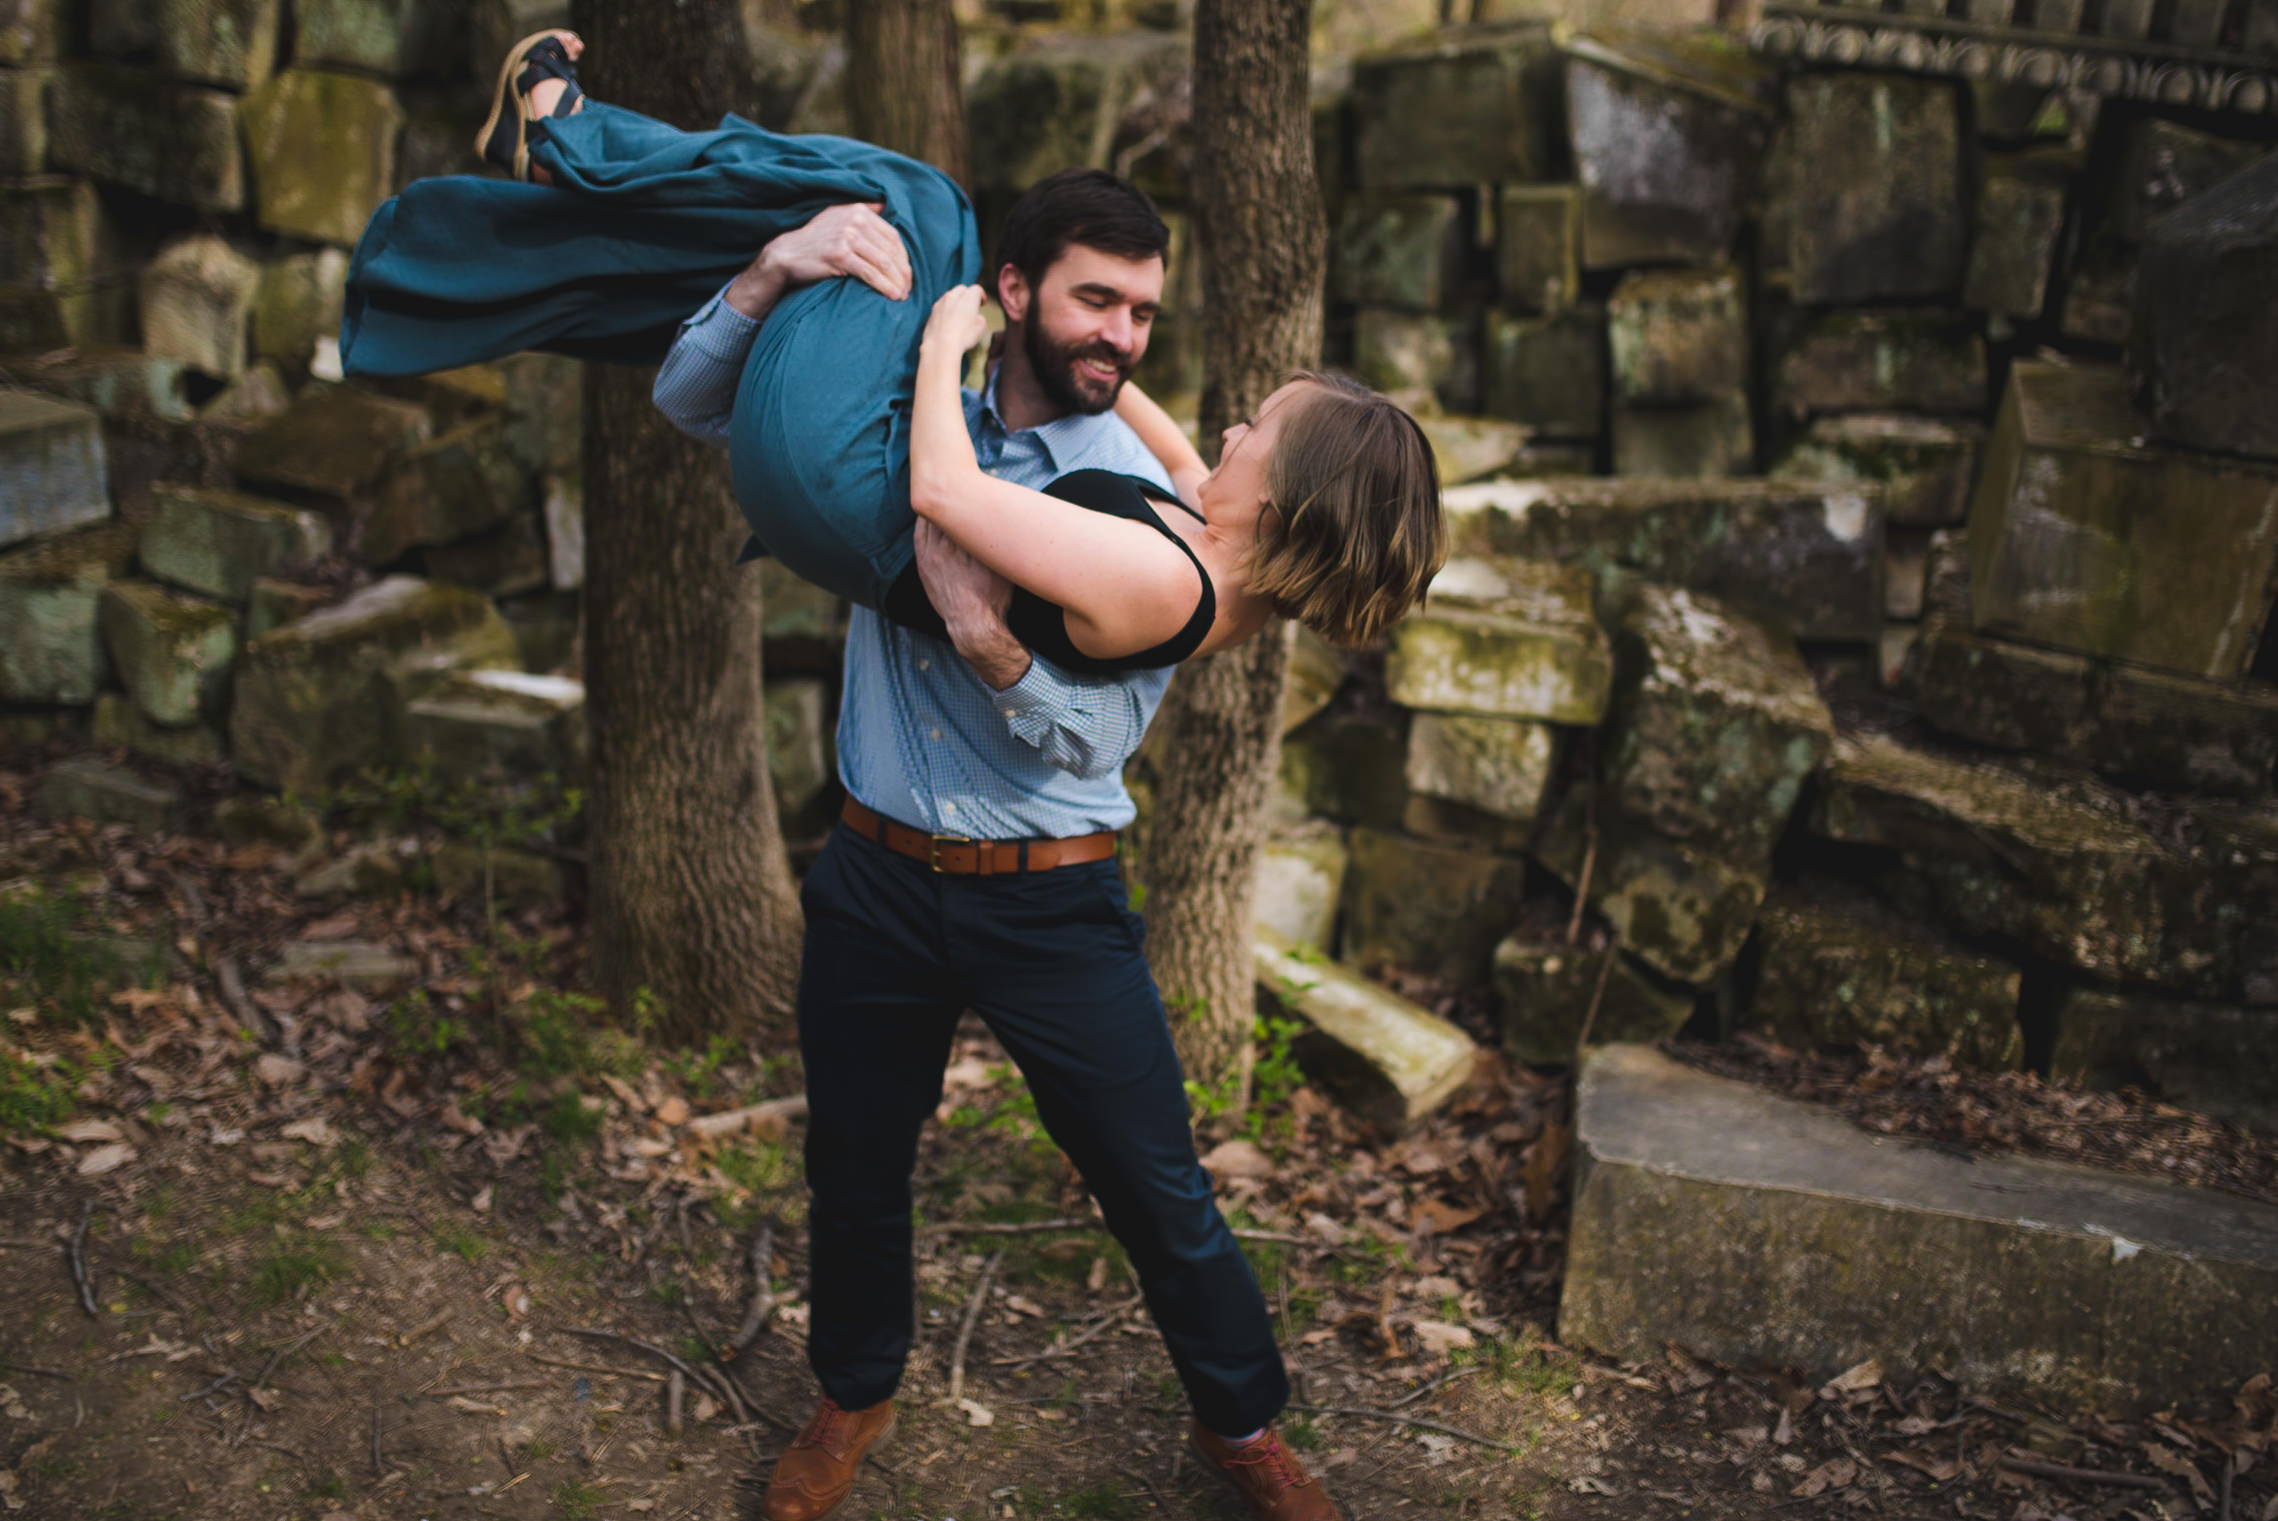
(1325, 507)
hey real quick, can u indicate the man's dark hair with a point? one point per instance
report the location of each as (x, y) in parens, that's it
(1090, 207)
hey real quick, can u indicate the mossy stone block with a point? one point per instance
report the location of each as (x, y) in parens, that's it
(314, 700)
(1707, 440)
(392, 38)
(1504, 638)
(1716, 723)
(499, 874)
(1877, 173)
(197, 304)
(1301, 877)
(2047, 858)
(1473, 448)
(1805, 557)
(230, 43)
(54, 473)
(2085, 537)
(173, 142)
(1390, 1060)
(50, 595)
(1901, 360)
(1317, 669)
(297, 303)
(31, 31)
(1547, 991)
(2020, 218)
(505, 561)
(334, 444)
(122, 384)
(1349, 766)
(2203, 326)
(1667, 132)
(799, 755)
(323, 152)
(1538, 247)
(88, 787)
(1682, 909)
(219, 543)
(448, 490)
(1429, 908)
(23, 121)
(802, 627)
(1678, 336)
(273, 603)
(2208, 1057)
(1496, 766)
(497, 727)
(1548, 373)
(121, 725)
(1058, 100)
(1463, 109)
(2165, 163)
(1834, 980)
(1415, 354)
(1403, 251)
(1924, 465)
(172, 651)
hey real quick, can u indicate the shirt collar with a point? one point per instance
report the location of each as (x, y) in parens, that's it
(1060, 438)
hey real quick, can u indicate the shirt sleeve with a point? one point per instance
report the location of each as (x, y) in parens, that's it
(696, 386)
(1086, 726)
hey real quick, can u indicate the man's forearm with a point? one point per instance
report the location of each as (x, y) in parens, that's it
(991, 650)
(755, 292)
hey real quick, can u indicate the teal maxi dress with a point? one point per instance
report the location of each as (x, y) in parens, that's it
(645, 223)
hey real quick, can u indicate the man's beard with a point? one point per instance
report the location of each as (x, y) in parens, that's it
(1054, 366)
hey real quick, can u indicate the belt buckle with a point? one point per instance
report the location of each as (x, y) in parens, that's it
(934, 842)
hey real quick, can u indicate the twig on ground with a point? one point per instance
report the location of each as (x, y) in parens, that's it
(1161, 1504)
(76, 1254)
(1105, 1319)
(377, 1466)
(675, 1391)
(602, 1368)
(1597, 997)
(434, 1322)
(205, 1389)
(1365, 1413)
(1416, 1394)
(69, 1378)
(1035, 1227)
(717, 1127)
(249, 1014)
(762, 1294)
(724, 1387)
(1589, 864)
(519, 1383)
(965, 1332)
(2041, 1470)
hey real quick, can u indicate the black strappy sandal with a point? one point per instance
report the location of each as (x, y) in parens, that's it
(504, 139)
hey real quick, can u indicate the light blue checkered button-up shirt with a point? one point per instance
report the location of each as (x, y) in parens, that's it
(921, 738)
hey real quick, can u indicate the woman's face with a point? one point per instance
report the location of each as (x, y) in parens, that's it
(1234, 494)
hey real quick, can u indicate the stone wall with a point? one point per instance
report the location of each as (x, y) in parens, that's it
(1861, 586)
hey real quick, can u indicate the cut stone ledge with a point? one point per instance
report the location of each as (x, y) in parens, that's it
(1762, 1232)
(1389, 1058)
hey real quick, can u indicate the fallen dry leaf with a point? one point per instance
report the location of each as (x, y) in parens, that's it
(674, 1110)
(90, 1130)
(1927, 1464)
(1852, 1380)
(105, 1158)
(1436, 1218)
(1237, 1159)
(316, 1130)
(276, 1070)
(1832, 1474)
(976, 1413)
(1439, 1338)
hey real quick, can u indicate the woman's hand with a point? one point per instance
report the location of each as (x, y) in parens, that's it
(957, 322)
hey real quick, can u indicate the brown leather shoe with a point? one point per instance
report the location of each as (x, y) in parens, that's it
(817, 1469)
(1268, 1475)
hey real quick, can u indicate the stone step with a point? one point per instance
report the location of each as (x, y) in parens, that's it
(89, 787)
(1763, 1232)
(1925, 466)
(53, 474)
(50, 599)
(1804, 555)
(220, 542)
(1389, 1058)
(1504, 638)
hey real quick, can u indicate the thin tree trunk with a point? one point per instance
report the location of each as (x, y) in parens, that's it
(1259, 235)
(902, 89)
(692, 900)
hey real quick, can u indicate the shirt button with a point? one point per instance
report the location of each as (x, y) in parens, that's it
(933, 734)
(948, 807)
(1007, 712)
(924, 664)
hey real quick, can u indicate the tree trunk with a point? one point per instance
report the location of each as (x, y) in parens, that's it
(902, 89)
(692, 900)
(1259, 235)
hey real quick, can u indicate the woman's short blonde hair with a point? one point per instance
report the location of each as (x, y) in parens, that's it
(1353, 533)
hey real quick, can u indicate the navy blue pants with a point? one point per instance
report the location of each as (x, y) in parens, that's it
(1052, 962)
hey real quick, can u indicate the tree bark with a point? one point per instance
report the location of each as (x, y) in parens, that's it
(1260, 238)
(902, 89)
(692, 902)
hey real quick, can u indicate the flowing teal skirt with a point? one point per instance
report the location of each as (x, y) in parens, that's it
(643, 225)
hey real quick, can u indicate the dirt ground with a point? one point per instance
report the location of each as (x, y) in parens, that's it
(297, 1251)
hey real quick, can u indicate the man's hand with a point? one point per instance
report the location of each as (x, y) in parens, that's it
(971, 599)
(843, 240)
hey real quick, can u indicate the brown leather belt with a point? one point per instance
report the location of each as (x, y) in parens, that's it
(976, 858)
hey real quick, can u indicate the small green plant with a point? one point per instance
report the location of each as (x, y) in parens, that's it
(576, 1500)
(36, 1093)
(294, 1268)
(699, 1071)
(1274, 1075)
(572, 1121)
(1105, 1501)
(1300, 1432)
(417, 1029)
(460, 1241)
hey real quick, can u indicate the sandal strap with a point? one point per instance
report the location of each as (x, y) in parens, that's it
(550, 60)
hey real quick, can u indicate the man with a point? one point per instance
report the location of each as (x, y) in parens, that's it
(910, 921)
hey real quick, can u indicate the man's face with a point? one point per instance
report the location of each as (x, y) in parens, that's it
(1084, 327)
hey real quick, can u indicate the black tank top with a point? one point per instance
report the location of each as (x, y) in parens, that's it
(1041, 625)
